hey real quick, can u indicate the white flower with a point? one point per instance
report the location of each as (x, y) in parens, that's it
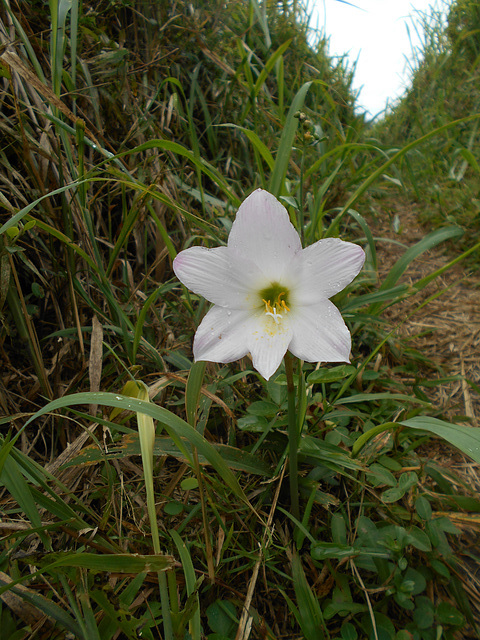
(269, 294)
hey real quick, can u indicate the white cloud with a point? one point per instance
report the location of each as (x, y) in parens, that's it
(375, 33)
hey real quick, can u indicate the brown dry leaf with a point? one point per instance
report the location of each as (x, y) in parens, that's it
(14, 62)
(96, 359)
(26, 612)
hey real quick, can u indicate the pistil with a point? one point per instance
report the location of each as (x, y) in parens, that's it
(273, 310)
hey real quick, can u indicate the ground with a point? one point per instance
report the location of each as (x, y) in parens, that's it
(447, 329)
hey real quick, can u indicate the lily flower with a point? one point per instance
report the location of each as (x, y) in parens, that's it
(269, 294)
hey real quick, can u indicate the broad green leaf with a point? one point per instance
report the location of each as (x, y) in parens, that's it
(378, 475)
(419, 539)
(375, 397)
(222, 617)
(467, 439)
(324, 376)
(175, 426)
(324, 550)
(114, 563)
(129, 445)
(263, 408)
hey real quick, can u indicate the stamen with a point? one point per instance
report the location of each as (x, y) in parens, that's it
(281, 303)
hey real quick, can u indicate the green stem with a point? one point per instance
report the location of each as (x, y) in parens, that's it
(292, 437)
(147, 438)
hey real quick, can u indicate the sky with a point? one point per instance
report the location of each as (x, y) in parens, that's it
(374, 33)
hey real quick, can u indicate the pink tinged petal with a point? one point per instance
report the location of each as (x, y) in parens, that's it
(268, 342)
(263, 234)
(211, 274)
(325, 268)
(320, 334)
(222, 335)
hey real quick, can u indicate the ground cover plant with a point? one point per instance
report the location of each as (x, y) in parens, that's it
(145, 495)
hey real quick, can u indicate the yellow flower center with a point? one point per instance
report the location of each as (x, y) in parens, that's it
(275, 299)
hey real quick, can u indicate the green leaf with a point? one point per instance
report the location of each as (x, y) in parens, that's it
(129, 445)
(188, 484)
(447, 614)
(339, 529)
(49, 608)
(257, 143)
(378, 475)
(253, 424)
(424, 612)
(413, 582)
(323, 376)
(16, 484)
(115, 562)
(392, 495)
(423, 508)
(172, 423)
(428, 242)
(310, 614)
(419, 539)
(222, 617)
(467, 439)
(323, 550)
(121, 618)
(407, 480)
(348, 631)
(173, 508)
(344, 608)
(440, 568)
(263, 408)
(287, 140)
(193, 390)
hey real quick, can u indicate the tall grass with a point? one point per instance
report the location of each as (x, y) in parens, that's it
(444, 172)
(130, 132)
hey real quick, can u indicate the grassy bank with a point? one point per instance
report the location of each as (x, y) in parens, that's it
(131, 131)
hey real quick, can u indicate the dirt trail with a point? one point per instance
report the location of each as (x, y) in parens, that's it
(447, 329)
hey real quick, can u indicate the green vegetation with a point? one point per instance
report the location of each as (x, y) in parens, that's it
(444, 173)
(130, 131)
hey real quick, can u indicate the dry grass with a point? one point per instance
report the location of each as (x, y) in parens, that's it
(446, 331)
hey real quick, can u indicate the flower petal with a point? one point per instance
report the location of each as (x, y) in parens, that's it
(325, 268)
(320, 334)
(263, 234)
(268, 342)
(222, 335)
(226, 335)
(212, 274)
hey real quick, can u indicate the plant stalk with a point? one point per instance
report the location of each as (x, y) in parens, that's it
(292, 437)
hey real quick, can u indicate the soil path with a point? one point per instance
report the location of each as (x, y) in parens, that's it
(447, 329)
